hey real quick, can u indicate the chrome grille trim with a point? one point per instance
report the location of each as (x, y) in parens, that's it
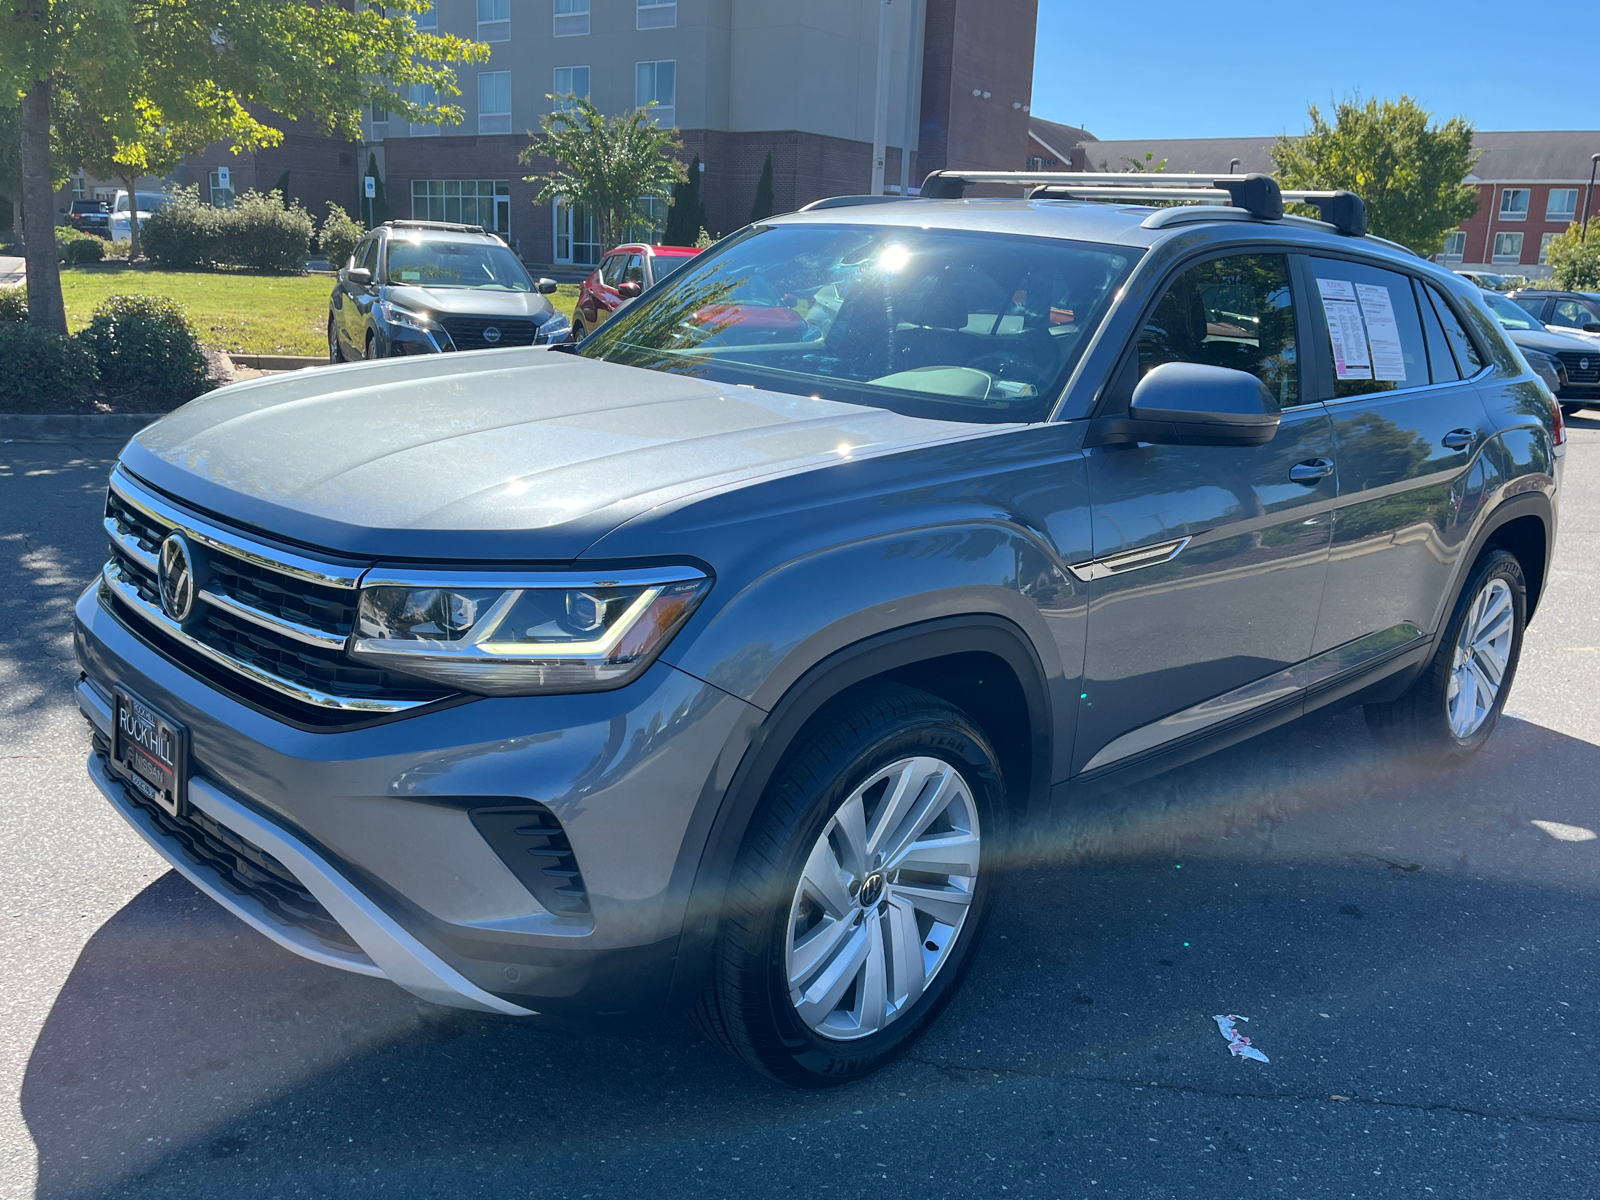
(308, 634)
(129, 546)
(126, 593)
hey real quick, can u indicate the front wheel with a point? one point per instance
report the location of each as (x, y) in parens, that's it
(860, 893)
(335, 355)
(1455, 705)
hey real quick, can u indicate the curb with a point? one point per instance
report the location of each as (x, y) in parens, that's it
(278, 362)
(73, 427)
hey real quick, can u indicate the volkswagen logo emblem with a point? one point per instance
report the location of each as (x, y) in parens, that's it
(491, 335)
(175, 573)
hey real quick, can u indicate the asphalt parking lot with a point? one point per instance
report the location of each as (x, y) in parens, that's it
(1416, 954)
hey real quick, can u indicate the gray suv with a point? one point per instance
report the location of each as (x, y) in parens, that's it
(724, 661)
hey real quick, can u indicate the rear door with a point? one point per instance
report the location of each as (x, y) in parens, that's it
(1209, 561)
(1407, 422)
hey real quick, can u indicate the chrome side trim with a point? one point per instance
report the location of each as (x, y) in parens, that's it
(633, 577)
(309, 634)
(226, 541)
(1129, 560)
(112, 576)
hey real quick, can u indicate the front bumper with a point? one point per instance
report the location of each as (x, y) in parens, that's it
(377, 822)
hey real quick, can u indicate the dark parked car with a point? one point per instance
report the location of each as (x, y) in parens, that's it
(620, 277)
(1568, 312)
(724, 662)
(425, 287)
(1571, 360)
(90, 216)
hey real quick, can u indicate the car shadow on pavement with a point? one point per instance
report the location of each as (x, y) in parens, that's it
(1405, 941)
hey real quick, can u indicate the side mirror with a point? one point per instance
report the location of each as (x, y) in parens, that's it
(1191, 404)
(1591, 327)
(629, 289)
(359, 276)
(547, 287)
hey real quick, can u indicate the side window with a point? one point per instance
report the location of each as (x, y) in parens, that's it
(1441, 362)
(357, 254)
(369, 259)
(611, 269)
(1370, 318)
(1230, 312)
(634, 272)
(1571, 315)
(1467, 356)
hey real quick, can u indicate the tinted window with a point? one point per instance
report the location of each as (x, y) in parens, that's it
(1231, 312)
(952, 324)
(1534, 304)
(1570, 314)
(634, 271)
(435, 264)
(1441, 361)
(611, 269)
(1372, 327)
(369, 256)
(1468, 359)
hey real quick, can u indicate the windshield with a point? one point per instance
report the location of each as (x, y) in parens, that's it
(931, 322)
(148, 202)
(434, 264)
(1509, 314)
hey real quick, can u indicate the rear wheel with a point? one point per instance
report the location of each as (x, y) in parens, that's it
(860, 893)
(1455, 704)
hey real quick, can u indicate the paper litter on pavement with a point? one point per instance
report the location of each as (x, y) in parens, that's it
(1238, 1044)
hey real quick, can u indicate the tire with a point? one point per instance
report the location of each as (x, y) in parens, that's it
(335, 354)
(1441, 717)
(796, 907)
(578, 331)
(372, 348)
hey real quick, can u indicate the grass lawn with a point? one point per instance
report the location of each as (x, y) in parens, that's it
(232, 310)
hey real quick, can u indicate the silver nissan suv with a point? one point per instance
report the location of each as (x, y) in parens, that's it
(724, 661)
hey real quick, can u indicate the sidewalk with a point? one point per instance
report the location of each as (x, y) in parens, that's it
(11, 271)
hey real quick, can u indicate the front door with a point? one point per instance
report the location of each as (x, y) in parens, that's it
(1407, 424)
(1209, 561)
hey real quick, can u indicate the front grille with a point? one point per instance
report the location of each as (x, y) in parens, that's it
(1581, 374)
(244, 868)
(530, 840)
(467, 332)
(278, 628)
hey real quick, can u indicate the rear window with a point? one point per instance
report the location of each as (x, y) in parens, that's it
(951, 324)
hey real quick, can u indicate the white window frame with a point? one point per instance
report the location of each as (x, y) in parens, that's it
(424, 94)
(220, 197)
(1500, 256)
(656, 14)
(1458, 239)
(1510, 214)
(373, 118)
(571, 18)
(496, 119)
(558, 104)
(428, 19)
(1566, 215)
(1544, 246)
(665, 115)
(492, 26)
(471, 201)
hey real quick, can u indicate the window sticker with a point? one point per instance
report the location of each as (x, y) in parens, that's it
(1350, 360)
(1383, 333)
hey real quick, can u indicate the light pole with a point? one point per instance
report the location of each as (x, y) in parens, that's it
(1583, 238)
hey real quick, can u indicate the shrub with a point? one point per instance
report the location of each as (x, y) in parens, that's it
(339, 235)
(87, 249)
(14, 304)
(146, 344)
(36, 364)
(264, 234)
(1575, 261)
(184, 233)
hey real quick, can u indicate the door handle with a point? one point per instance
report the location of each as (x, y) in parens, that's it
(1457, 439)
(1311, 472)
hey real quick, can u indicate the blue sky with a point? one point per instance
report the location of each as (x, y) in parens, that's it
(1187, 68)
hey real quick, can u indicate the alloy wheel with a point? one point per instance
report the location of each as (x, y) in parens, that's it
(882, 898)
(1483, 650)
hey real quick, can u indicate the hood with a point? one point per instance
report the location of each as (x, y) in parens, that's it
(472, 301)
(1551, 342)
(498, 454)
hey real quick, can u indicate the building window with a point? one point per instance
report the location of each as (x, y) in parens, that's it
(569, 82)
(1455, 246)
(572, 18)
(77, 187)
(651, 229)
(380, 114)
(494, 101)
(658, 14)
(577, 235)
(428, 18)
(221, 197)
(423, 94)
(1562, 206)
(1544, 246)
(494, 20)
(1508, 247)
(1514, 204)
(658, 82)
(485, 202)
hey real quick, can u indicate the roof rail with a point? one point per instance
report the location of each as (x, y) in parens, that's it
(850, 202)
(446, 226)
(1258, 195)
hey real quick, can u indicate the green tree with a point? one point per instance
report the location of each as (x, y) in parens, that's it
(764, 204)
(1575, 260)
(609, 166)
(687, 216)
(1407, 168)
(214, 67)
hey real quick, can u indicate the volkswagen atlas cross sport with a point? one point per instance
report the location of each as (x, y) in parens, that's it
(722, 662)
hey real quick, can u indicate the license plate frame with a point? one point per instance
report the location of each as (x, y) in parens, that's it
(149, 751)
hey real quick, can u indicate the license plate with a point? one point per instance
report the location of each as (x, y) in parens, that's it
(149, 750)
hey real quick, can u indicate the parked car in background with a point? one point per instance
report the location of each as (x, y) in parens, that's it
(621, 275)
(149, 202)
(1492, 281)
(1565, 312)
(1573, 362)
(426, 287)
(90, 216)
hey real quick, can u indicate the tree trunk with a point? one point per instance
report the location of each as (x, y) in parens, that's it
(134, 248)
(45, 306)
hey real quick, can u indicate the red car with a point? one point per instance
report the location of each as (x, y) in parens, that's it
(622, 274)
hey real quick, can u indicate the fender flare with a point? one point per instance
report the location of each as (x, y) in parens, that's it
(767, 743)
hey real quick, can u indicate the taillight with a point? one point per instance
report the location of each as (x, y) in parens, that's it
(1558, 435)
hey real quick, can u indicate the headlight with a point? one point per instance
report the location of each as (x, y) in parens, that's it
(502, 634)
(556, 329)
(396, 315)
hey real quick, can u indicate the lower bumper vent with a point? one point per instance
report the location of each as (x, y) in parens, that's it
(532, 843)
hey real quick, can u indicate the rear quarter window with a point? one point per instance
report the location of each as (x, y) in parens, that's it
(1372, 327)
